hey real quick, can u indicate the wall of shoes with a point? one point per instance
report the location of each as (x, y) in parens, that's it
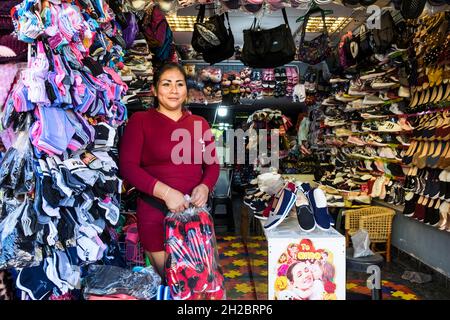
(426, 182)
(384, 127)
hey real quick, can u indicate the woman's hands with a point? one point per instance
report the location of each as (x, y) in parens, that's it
(199, 195)
(175, 201)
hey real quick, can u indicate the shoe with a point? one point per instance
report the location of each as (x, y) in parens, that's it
(356, 141)
(318, 201)
(396, 109)
(388, 126)
(372, 100)
(305, 214)
(284, 205)
(381, 85)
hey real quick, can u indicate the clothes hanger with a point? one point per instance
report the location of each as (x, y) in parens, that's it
(314, 9)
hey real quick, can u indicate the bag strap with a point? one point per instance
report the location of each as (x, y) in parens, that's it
(201, 13)
(228, 21)
(286, 22)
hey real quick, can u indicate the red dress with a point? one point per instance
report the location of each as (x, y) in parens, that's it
(150, 151)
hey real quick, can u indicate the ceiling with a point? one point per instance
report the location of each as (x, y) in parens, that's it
(240, 20)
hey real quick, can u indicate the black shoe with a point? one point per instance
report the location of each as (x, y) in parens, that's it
(305, 213)
(410, 206)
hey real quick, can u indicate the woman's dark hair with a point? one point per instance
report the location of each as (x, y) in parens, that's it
(165, 67)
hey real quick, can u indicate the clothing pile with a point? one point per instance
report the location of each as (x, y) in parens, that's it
(59, 176)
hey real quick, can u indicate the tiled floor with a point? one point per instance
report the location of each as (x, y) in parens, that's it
(245, 282)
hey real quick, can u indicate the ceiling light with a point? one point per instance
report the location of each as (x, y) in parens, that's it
(334, 24)
(181, 23)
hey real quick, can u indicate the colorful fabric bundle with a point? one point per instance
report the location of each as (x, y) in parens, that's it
(192, 269)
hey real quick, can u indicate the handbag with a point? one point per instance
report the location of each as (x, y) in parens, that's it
(210, 34)
(268, 48)
(225, 50)
(316, 50)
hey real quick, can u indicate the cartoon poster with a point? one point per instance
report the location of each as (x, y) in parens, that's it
(304, 272)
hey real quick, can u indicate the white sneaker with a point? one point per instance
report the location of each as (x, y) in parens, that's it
(372, 100)
(380, 85)
(389, 126)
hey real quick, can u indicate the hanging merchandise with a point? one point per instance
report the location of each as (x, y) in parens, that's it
(385, 36)
(268, 48)
(158, 33)
(59, 124)
(192, 264)
(212, 38)
(412, 9)
(318, 49)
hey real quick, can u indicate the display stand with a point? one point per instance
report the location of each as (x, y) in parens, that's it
(313, 262)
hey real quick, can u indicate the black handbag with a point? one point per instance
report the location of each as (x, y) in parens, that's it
(268, 48)
(226, 48)
(210, 34)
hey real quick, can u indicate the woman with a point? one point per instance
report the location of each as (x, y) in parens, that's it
(167, 153)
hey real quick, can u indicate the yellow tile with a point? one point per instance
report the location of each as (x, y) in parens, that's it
(243, 287)
(230, 253)
(232, 274)
(240, 262)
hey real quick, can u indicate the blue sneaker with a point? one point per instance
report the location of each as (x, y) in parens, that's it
(282, 205)
(318, 201)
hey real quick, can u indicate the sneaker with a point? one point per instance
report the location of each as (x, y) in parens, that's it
(372, 100)
(318, 201)
(372, 75)
(395, 109)
(388, 126)
(381, 84)
(355, 140)
(305, 215)
(284, 204)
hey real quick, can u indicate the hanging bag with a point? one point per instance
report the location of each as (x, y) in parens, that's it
(212, 38)
(317, 50)
(268, 48)
(225, 50)
(207, 35)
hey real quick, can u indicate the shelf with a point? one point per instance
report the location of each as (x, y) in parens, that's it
(285, 104)
(235, 62)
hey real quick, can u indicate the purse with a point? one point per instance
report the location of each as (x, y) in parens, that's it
(268, 48)
(316, 50)
(225, 50)
(210, 34)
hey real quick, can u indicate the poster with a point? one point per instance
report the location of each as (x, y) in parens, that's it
(307, 269)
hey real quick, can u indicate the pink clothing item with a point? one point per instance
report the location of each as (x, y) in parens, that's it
(8, 73)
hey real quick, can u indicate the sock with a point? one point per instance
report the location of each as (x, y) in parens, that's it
(48, 193)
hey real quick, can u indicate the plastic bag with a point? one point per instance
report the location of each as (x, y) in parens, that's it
(110, 280)
(361, 244)
(192, 269)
